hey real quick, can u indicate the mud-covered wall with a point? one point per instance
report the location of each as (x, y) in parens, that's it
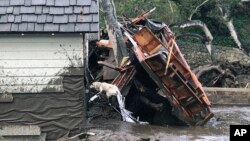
(197, 54)
(55, 113)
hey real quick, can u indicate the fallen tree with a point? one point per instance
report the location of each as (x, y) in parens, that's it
(114, 31)
(199, 23)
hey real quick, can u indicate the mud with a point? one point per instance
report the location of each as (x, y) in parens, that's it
(216, 129)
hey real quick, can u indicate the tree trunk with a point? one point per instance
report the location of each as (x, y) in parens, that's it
(195, 10)
(229, 23)
(233, 33)
(114, 31)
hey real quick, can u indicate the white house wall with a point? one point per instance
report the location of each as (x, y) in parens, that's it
(37, 63)
(42, 55)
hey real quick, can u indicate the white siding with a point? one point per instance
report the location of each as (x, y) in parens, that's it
(42, 55)
(16, 81)
(31, 89)
(33, 72)
(6, 64)
(37, 63)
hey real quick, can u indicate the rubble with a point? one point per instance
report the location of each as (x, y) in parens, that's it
(158, 75)
(224, 74)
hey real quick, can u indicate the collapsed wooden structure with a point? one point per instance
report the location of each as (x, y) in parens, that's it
(153, 47)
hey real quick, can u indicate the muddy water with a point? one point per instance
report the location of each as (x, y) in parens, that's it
(217, 129)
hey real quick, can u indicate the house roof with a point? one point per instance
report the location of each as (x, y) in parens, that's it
(49, 16)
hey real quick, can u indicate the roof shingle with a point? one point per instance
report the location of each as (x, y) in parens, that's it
(50, 2)
(31, 27)
(72, 2)
(27, 2)
(5, 27)
(23, 27)
(41, 19)
(56, 10)
(49, 16)
(16, 11)
(18, 19)
(39, 10)
(39, 27)
(83, 2)
(38, 2)
(82, 27)
(67, 27)
(25, 9)
(61, 19)
(49, 19)
(11, 18)
(9, 10)
(3, 10)
(4, 2)
(14, 27)
(61, 2)
(16, 2)
(51, 27)
(3, 19)
(29, 18)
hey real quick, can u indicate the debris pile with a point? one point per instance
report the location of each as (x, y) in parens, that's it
(226, 74)
(155, 78)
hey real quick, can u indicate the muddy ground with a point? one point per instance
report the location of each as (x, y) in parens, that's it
(217, 129)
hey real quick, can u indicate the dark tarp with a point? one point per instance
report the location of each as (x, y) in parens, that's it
(55, 113)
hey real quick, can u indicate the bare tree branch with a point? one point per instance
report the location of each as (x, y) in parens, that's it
(195, 10)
